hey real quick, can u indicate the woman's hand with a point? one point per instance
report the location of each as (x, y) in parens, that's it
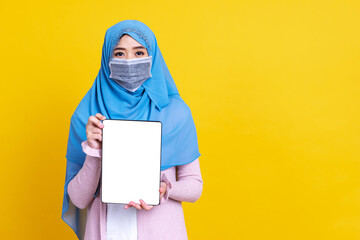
(94, 131)
(163, 188)
(142, 204)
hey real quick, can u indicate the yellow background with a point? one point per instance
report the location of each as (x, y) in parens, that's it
(274, 91)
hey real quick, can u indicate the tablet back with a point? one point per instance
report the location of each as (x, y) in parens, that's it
(131, 161)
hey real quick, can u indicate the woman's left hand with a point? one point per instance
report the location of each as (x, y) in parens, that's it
(142, 204)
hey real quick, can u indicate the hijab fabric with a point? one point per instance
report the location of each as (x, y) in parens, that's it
(157, 99)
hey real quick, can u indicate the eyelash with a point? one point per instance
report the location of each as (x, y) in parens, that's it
(117, 54)
(139, 53)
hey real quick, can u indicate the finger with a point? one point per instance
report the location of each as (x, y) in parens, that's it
(100, 116)
(145, 206)
(161, 195)
(135, 205)
(95, 136)
(129, 205)
(163, 187)
(93, 129)
(96, 122)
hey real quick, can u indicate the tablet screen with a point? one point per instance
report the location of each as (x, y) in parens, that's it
(131, 161)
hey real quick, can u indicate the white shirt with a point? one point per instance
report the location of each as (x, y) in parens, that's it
(121, 223)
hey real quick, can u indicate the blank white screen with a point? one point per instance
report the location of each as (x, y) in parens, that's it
(131, 158)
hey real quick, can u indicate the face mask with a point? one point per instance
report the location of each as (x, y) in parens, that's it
(130, 74)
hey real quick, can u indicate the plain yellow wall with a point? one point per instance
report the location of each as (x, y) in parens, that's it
(274, 91)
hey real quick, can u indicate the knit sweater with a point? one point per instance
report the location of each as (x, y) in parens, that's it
(164, 221)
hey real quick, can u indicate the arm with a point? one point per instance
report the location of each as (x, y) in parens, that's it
(82, 187)
(188, 187)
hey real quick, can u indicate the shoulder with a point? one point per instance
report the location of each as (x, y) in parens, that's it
(177, 111)
(177, 104)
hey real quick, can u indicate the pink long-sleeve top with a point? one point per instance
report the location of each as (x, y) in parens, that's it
(162, 222)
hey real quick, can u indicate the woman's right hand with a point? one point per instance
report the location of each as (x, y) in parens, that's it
(94, 131)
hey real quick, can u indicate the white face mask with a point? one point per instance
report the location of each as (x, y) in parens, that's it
(132, 73)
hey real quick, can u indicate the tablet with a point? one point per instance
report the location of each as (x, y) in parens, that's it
(131, 161)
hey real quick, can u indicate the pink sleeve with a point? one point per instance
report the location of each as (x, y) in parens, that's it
(83, 186)
(188, 187)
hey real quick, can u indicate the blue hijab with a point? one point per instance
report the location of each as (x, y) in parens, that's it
(157, 99)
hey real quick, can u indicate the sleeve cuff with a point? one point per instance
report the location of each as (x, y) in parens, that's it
(91, 151)
(168, 188)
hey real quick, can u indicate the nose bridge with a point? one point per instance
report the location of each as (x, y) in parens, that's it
(130, 55)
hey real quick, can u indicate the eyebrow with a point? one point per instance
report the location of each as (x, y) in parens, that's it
(137, 47)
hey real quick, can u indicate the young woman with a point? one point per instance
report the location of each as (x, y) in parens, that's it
(133, 83)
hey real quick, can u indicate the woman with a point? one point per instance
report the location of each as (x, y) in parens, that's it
(143, 91)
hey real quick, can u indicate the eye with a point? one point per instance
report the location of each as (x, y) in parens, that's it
(139, 53)
(119, 54)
